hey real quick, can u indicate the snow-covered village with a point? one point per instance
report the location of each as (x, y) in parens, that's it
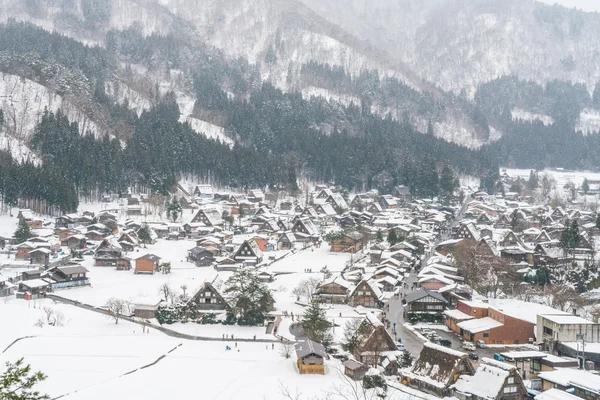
(299, 199)
(324, 295)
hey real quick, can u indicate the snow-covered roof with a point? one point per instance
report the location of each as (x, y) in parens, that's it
(524, 355)
(572, 377)
(485, 384)
(556, 394)
(479, 325)
(457, 315)
(35, 283)
(566, 319)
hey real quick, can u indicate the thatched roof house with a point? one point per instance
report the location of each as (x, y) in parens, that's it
(437, 369)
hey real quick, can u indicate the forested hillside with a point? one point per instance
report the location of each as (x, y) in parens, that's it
(279, 136)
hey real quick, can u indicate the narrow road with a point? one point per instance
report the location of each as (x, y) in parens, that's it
(396, 311)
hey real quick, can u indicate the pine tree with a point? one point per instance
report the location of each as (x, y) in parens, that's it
(533, 181)
(392, 237)
(144, 234)
(447, 180)
(249, 298)
(173, 208)
(314, 322)
(23, 232)
(406, 360)
(379, 236)
(17, 382)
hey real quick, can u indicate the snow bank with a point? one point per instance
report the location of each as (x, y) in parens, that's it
(524, 115)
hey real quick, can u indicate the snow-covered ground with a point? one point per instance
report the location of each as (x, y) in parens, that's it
(561, 177)
(589, 121)
(92, 358)
(524, 115)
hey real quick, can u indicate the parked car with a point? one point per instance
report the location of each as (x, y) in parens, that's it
(469, 346)
(400, 347)
(474, 356)
(481, 343)
(445, 343)
(498, 357)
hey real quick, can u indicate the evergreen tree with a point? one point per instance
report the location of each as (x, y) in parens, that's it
(173, 208)
(533, 181)
(585, 186)
(314, 322)
(17, 382)
(598, 221)
(23, 231)
(447, 180)
(392, 237)
(406, 359)
(144, 234)
(249, 298)
(379, 236)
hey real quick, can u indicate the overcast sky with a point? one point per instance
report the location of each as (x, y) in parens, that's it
(586, 5)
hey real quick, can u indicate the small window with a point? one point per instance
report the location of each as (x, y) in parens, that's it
(511, 380)
(486, 335)
(510, 389)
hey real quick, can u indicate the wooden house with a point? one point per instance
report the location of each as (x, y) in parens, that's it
(30, 219)
(201, 256)
(286, 241)
(23, 250)
(333, 291)
(338, 203)
(311, 357)
(366, 294)
(437, 369)
(348, 242)
(203, 191)
(305, 230)
(67, 277)
(468, 231)
(108, 253)
(256, 196)
(387, 202)
(34, 288)
(355, 370)
(147, 264)
(76, 242)
(209, 298)
(40, 256)
(493, 380)
(208, 217)
(376, 343)
(402, 193)
(249, 253)
(424, 301)
(375, 208)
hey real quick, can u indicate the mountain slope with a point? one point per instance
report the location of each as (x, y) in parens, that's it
(459, 44)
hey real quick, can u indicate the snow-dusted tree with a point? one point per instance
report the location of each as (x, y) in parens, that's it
(144, 234)
(353, 335)
(315, 323)
(23, 231)
(173, 208)
(249, 298)
(17, 382)
(117, 308)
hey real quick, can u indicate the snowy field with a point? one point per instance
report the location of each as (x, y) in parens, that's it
(92, 358)
(561, 177)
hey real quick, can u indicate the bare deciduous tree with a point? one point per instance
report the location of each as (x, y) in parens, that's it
(115, 308)
(306, 288)
(287, 349)
(166, 291)
(49, 315)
